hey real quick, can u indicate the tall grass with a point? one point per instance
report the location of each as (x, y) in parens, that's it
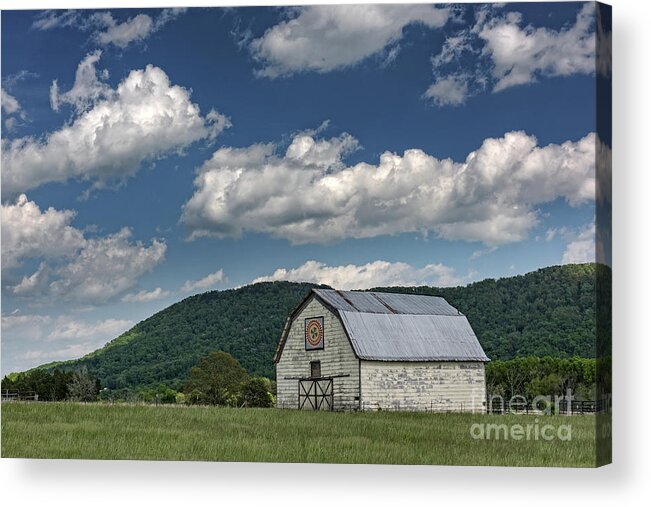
(98, 431)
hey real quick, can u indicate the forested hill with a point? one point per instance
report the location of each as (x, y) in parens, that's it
(547, 312)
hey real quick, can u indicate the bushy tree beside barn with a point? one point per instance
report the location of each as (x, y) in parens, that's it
(255, 392)
(215, 380)
(219, 379)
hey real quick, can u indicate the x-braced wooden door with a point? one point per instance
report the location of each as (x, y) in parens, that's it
(315, 394)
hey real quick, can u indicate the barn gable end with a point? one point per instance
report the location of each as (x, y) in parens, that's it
(337, 358)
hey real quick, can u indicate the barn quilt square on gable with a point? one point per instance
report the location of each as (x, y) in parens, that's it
(314, 333)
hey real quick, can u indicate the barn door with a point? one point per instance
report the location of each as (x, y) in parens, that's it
(315, 394)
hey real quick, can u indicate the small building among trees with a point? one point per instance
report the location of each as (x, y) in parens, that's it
(347, 350)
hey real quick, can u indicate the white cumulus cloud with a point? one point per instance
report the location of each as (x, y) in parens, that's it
(12, 111)
(144, 118)
(504, 52)
(308, 194)
(449, 90)
(520, 53)
(66, 328)
(88, 88)
(121, 35)
(106, 267)
(105, 29)
(373, 274)
(204, 283)
(146, 296)
(34, 323)
(9, 103)
(323, 38)
(70, 351)
(28, 232)
(49, 19)
(581, 247)
(73, 267)
(135, 29)
(32, 339)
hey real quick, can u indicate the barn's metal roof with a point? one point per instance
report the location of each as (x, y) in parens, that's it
(398, 327)
(402, 337)
(386, 302)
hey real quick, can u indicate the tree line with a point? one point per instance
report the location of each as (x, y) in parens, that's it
(57, 385)
(217, 379)
(542, 376)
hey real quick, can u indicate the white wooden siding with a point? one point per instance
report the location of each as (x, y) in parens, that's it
(423, 386)
(337, 358)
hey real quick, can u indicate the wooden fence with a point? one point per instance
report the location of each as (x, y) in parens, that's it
(18, 396)
(562, 406)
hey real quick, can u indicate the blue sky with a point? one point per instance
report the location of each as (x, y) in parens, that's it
(152, 154)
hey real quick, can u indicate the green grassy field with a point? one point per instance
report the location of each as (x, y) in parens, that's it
(97, 431)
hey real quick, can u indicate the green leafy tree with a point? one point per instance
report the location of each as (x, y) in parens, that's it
(255, 392)
(60, 381)
(215, 380)
(161, 394)
(83, 387)
(543, 386)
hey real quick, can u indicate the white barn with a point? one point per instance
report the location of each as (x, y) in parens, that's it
(345, 350)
